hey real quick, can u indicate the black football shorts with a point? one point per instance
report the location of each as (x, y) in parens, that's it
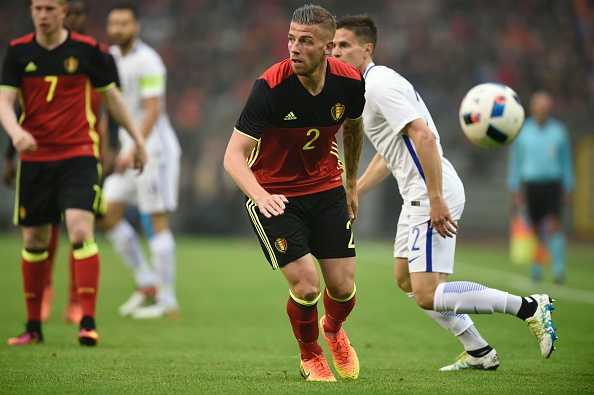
(317, 223)
(46, 189)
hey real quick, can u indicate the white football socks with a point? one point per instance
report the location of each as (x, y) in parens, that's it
(472, 298)
(126, 242)
(461, 325)
(162, 246)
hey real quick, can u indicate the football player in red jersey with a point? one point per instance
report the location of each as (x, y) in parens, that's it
(54, 70)
(283, 154)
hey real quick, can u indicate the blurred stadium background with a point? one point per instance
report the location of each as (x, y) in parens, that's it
(215, 49)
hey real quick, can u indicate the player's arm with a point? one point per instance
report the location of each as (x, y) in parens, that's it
(238, 150)
(377, 171)
(117, 108)
(22, 140)
(430, 159)
(352, 139)
(151, 113)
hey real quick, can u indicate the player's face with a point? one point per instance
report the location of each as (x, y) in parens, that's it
(122, 28)
(48, 16)
(308, 48)
(348, 49)
(76, 17)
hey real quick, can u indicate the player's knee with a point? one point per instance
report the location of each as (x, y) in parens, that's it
(424, 301)
(404, 283)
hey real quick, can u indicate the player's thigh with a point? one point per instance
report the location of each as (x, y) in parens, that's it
(36, 200)
(331, 233)
(79, 185)
(283, 238)
(158, 187)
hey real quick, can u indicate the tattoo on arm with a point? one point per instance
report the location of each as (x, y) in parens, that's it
(352, 138)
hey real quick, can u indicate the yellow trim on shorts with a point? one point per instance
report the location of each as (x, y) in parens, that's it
(88, 249)
(15, 215)
(34, 257)
(305, 302)
(343, 300)
(251, 209)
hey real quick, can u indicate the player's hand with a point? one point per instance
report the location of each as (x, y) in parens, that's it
(272, 205)
(441, 219)
(352, 202)
(24, 142)
(108, 161)
(139, 157)
(9, 172)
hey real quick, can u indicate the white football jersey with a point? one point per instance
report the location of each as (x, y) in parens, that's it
(143, 75)
(391, 103)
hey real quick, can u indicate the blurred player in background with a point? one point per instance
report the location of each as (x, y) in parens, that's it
(283, 155)
(155, 192)
(402, 131)
(54, 70)
(540, 177)
(76, 21)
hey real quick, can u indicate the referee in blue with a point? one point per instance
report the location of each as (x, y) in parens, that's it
(541, 179)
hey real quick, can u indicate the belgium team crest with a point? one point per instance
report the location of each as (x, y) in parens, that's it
(71, 64)
(281, 245)
(337, 111)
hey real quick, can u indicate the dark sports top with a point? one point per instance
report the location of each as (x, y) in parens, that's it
(56, 87)
(297, 152)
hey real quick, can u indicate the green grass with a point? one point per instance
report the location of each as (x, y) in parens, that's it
(233, 335)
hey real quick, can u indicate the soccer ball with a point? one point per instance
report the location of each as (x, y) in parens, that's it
(491, 115)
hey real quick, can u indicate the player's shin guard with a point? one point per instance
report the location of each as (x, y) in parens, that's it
(468, 297)
(52, 250)
(162, 246)
(337, 310)
(34, 268)
(126, 242)
(72, 291)
(86, 269)
(304, 320)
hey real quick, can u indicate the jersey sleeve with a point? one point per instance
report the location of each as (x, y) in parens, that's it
(393, 104)
(153, 76)
(258, 110)
(11, 77)
(101, 69)
(356, 110)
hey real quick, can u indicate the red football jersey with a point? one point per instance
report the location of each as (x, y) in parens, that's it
(297, 151)
(59, 105)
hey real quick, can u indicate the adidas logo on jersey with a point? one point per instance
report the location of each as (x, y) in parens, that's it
(30, 67)
(290, 117)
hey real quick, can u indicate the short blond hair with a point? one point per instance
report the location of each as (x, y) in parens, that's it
(313, 14)
(60, 2)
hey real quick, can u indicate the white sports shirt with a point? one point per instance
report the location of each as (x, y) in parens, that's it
(143, 75)
(391, 103)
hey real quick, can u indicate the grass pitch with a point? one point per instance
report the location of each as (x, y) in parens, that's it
(233, 335)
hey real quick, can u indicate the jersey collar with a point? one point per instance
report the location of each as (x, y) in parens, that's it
(368, 68)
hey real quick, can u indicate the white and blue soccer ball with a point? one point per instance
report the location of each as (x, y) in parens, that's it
(491, 115)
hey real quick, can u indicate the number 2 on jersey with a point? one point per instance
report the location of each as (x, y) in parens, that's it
(53, 80)
(309, 145)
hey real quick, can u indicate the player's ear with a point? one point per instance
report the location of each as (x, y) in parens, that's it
(329, 47)
(368, 49)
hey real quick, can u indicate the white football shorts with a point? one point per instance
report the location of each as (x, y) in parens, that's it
(424, 248)
(154, 191)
